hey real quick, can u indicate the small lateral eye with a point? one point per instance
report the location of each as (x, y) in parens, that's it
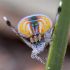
(31, 40)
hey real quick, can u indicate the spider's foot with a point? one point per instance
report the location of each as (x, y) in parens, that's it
(37, 58)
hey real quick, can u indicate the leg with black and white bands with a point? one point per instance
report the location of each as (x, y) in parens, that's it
(15, 31)
(48, 36)
(10, 25)
(57, 15)
(36, 50)
(34, 55)
(58, 11)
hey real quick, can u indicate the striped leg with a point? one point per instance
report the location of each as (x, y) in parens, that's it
(15, 31)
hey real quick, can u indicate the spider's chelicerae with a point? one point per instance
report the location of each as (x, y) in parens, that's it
(36, 31)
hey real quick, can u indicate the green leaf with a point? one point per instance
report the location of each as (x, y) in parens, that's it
(60, 39)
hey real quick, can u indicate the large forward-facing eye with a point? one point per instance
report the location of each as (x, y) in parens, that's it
(36, 38)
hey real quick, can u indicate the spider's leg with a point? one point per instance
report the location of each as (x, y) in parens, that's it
(34, 55)
(16, 31)
(26, 41)
(48, 36)
(9, 24)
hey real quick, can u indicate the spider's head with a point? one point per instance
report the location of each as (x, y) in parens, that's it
(36, 39)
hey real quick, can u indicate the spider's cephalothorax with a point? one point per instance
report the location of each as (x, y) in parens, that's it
(37, 30)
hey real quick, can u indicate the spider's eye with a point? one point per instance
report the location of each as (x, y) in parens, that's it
(37, 38)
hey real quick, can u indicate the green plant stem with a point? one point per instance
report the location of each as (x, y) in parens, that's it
(60, 39)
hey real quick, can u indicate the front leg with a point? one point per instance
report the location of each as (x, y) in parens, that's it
(34, 55)
(48, 36)
(16, 32)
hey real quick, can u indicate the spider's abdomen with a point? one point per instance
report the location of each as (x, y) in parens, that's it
(34, 24)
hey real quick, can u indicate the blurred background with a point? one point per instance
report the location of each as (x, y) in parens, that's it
(14, 54)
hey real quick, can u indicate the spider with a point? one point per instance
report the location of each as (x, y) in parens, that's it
(36, 31)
